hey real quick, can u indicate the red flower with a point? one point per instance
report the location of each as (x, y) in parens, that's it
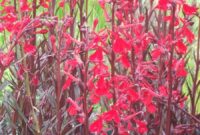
(163, 90)
(24, 6)
(189, 10)
(163, 4)
(147, 97)
(151, 108)
(95, 23)
(181, 47)
(97, 56)
(102, 87)
(42, 31)
(7, 58)
(111, 115)
(133, 96)
(120, 45)
(94, 98)
(181, 72)
(53, 41)
(96, 126)
(189, 35)
(61, 3)
(67, 83)
(71, 63)
(155, 54)
(44, 3)
(125, 61)
(101, 91)
(180, 68)
(73, 108)
(142, 127)
(29, 49)
(35, 80)
(100, 68)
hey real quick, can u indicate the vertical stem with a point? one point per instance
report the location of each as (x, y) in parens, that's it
(34, 15)
(85, 106)
(112, 53)
(194, 88)
(85, 76)
(113, 59)
(52, 8)
(71, 15)
(81, 19)
(84, 58)
(27, 88)
(71, 90)
(32, 59)
(15, 6)
(58, 74)
(14, 113)
(170, 84)
(165, 25)
(58, 91)
(146, 31)
(86, 6)
(29, 95)
(132, 50)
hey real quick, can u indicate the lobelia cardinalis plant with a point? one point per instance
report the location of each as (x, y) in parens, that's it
(67, 76)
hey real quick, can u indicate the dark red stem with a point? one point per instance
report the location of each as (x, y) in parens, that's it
(170, 74)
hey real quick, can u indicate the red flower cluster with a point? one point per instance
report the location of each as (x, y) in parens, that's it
(119, 79)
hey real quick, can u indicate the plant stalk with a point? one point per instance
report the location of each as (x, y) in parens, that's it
(195, 83)
(170, 74)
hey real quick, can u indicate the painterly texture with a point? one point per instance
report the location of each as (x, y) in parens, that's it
(80, 67)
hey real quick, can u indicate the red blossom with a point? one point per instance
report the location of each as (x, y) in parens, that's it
(151, 108)
(53, 42)
(42, 31)
(180, 68)
(61, 3)
(111, 115)
(8, 9)
(181, 72)
(181, 48)
(95, 23)
(29, 49)
(24, 6)
(97, 55)
(35, 80)
(94, 98)
(67, 83)
(188, 34)
(9, 18)
(120, 45)
(100, 68)
(126, 87)
(102, 87)
(44, 3)
(73, 109)
(96, 126)
(133, 95)
(189, 10)
(7, 58)
(163, 4)
(142, 127)
(125, 61)
(163, 91)
(156, 53)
